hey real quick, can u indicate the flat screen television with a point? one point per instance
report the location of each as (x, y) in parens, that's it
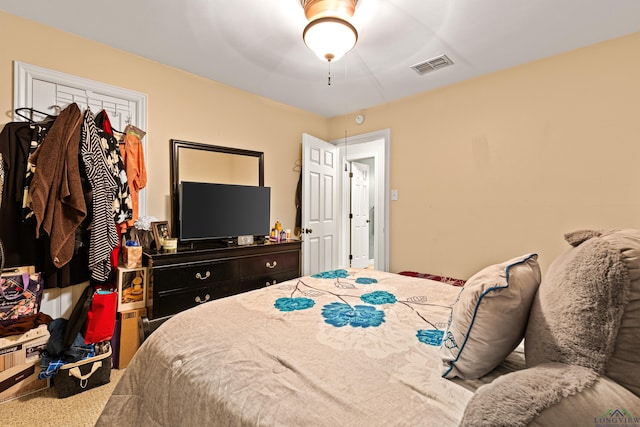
(223, 211)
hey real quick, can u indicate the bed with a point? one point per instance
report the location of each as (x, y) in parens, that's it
(360, 347)
(352, 347)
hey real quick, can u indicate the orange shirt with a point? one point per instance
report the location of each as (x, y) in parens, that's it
(133, 159)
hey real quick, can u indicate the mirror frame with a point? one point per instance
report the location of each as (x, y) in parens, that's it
(176, 145)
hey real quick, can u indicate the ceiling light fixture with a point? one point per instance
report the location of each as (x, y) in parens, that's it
(329, 33)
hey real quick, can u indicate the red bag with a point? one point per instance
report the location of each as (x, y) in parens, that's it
(101, 317)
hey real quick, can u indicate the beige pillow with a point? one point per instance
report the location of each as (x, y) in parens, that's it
(489, 319)
(624, 363)
(587, 310)
(551, 394)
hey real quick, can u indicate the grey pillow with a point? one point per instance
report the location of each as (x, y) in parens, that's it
(551, 394)
(489, 318)
(587, 310)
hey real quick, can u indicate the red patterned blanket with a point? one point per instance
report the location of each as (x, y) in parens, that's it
(443, 279)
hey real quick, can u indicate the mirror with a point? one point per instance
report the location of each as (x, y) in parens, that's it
(195, 161)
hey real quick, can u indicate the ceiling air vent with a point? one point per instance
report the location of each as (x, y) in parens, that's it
(432, 64)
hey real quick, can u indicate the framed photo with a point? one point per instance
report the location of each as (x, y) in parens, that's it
(132, 288)
(161, 231)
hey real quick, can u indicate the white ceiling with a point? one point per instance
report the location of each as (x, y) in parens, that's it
(256, 45)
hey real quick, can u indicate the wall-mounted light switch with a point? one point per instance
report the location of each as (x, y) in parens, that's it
(394, 194)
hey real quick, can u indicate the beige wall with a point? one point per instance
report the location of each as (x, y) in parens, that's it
(505, 164)
(486, 170)
(179, 105)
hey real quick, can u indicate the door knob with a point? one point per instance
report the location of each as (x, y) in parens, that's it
(308, 231)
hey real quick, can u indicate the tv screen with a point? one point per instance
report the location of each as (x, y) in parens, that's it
(216, 211)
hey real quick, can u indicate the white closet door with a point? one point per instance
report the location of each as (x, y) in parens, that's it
(48, 95)
(44, 90)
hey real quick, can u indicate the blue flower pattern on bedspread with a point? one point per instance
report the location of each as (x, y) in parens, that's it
(430, 336)
(341, 314)
(361, 316)
(292, 304)
(378, 297)
(333, 274)
(365, 281)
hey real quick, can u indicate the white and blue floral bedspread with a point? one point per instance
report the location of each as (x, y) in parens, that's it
(344, 348)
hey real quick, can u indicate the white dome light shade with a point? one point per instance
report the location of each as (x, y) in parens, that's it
(330, 38)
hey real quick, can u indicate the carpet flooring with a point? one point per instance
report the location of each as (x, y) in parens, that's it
(44, 408)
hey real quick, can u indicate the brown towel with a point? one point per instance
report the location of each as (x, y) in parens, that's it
(56, 189)
(24, 324)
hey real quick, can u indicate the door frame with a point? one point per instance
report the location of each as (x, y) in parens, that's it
(382, 193)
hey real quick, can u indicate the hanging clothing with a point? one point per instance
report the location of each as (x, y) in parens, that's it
(122, 205)
(103, 234)
(1, 177)
(56, 190)
(17, 229)
(38, 133)
(133, 158)
(298, 225)
(14, 146)
(41, 200)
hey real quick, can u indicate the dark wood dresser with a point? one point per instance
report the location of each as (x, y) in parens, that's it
(186, 278)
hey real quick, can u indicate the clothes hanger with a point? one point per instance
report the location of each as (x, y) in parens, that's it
(115, 114)
(47, 117)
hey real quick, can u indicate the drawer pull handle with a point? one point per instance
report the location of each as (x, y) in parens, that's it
(206, 275)
(272, 283)
(201, 301)
(269, 265)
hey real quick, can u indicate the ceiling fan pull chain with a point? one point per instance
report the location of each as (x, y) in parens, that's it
(329, 77)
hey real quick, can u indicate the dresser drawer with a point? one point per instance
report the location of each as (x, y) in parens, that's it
(165, 304)
(192, 275)
(175, 301)
(270, 264)
(273, 278)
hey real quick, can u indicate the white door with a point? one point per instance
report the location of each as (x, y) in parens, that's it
(359, 215)
(319, 224)
(41, 88)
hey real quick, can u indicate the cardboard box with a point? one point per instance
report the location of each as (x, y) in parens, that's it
(9, 271)
(129, 336)
(30, 335)
(18, 350)
(132, 288)
(115, 345)
(20, 363)
(21, 380)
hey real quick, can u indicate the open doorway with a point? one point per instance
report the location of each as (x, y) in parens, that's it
(326, 199)
(371, 152)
